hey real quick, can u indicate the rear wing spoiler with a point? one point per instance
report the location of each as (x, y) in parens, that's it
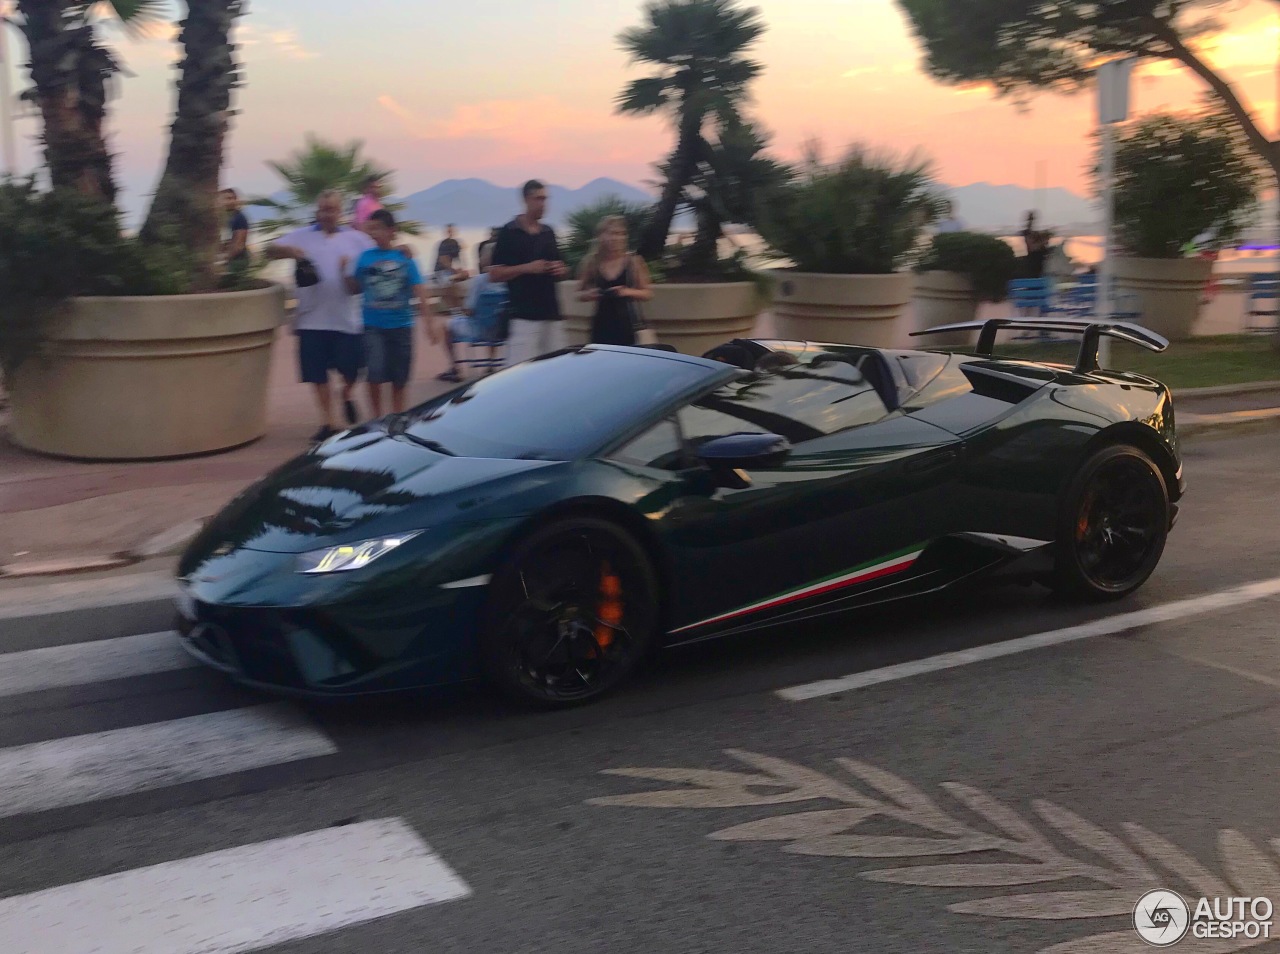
(1091, 332)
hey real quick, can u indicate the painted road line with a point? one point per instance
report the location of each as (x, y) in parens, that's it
(86, 768)
(79, 664)
(1209, 603)
(238, 899)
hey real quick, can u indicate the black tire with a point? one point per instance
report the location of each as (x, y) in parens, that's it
(544, 640)
(1113, 525)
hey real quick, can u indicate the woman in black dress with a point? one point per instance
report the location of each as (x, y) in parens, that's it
(613, 278)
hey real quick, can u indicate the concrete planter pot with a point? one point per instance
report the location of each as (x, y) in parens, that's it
(150, 377)
(944, 298)
(1168, 291)
(841, 309)
(692, 318)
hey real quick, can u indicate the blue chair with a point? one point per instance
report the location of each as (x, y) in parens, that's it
(1263, 287)
(1080, 299)
(485, 327)
(1029, 295)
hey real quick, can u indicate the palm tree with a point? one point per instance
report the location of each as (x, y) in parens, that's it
(732, 176)
(71, 71)
(184, 212)
(698, 47)
(318, 166)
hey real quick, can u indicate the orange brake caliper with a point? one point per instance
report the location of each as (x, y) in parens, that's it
(610, 612)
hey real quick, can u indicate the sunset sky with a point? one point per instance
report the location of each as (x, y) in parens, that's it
(506, 89)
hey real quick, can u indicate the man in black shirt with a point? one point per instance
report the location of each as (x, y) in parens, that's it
(235, 249)
(527, 258)
(448, 252)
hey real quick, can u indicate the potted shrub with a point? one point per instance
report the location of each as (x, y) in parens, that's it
(1177, 178)
(846, 228)
(704, 293)
(145, 353)
(958, 272)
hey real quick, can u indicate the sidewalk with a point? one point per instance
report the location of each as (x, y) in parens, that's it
(56, 512)
(62, 516)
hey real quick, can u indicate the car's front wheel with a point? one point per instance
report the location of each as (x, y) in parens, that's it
(1113, 525)
(571, 613)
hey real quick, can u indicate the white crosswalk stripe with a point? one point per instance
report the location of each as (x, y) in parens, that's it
(234, 899)
(238, 899)
(81, 664)
(86, 768)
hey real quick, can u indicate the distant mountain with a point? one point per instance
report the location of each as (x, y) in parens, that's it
(474, 203)
(1003, 207)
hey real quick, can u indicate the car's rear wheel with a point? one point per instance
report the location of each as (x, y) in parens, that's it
(1113, 525)
(571, 613)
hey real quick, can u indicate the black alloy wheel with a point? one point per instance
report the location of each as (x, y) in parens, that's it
(1113, 526)
(571, 613)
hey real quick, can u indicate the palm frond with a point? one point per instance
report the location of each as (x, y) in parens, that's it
(644, 96)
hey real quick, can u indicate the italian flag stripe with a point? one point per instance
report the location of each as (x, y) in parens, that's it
(882, 566)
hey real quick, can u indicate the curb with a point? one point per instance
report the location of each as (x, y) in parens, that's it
(1225, 390)
(169, 542)
(1193, 425)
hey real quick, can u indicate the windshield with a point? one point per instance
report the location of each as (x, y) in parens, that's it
(555, 408)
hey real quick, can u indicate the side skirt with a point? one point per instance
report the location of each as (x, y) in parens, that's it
(942, 565)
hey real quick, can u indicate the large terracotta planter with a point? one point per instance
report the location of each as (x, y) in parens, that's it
(148, 378)
(944, 298)
(692, 318)
(841, 309)
(1168, 291)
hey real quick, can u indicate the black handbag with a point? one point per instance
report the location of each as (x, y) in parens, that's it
(305, 274)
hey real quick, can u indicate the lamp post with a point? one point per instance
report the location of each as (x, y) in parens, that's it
(8, 143)
(1113, 107)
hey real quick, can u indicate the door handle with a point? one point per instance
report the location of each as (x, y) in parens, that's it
(931, 463)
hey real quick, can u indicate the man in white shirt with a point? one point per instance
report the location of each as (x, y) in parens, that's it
(327, 320)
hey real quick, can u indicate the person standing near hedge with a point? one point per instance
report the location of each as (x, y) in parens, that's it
(326, 322)
(390, 281)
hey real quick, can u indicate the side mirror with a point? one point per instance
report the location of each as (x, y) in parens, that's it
(728, 456)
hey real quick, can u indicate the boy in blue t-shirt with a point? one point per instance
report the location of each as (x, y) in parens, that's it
(389, 280)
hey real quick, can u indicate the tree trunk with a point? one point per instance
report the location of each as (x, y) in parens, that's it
(679, 171)
(69, 70)
(184, 212)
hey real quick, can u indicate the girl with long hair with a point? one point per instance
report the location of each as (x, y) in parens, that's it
(616, 279)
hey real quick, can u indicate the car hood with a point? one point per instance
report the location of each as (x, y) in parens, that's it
(358, 485)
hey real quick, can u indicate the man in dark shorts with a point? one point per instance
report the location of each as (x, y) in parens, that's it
(235, 250)
(527, 259)
(389, 281)
(326, 320)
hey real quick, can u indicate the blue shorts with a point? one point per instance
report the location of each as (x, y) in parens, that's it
(322, 351)
(390, 352)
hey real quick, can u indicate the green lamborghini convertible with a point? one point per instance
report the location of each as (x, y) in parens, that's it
(546, 527)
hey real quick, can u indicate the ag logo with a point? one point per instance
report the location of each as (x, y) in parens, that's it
(1161, 918)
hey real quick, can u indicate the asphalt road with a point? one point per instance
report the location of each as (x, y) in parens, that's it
(1020, 803)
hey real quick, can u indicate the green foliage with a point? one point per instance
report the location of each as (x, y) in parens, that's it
(697, 48)
(732, 177)
(317, 167)
(862, 215)
(1178, 177)
(988, 262)
(60, 244)
(582, 224)
(1018, 45)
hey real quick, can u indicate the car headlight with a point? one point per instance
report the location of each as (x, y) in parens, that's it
(351, 556)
